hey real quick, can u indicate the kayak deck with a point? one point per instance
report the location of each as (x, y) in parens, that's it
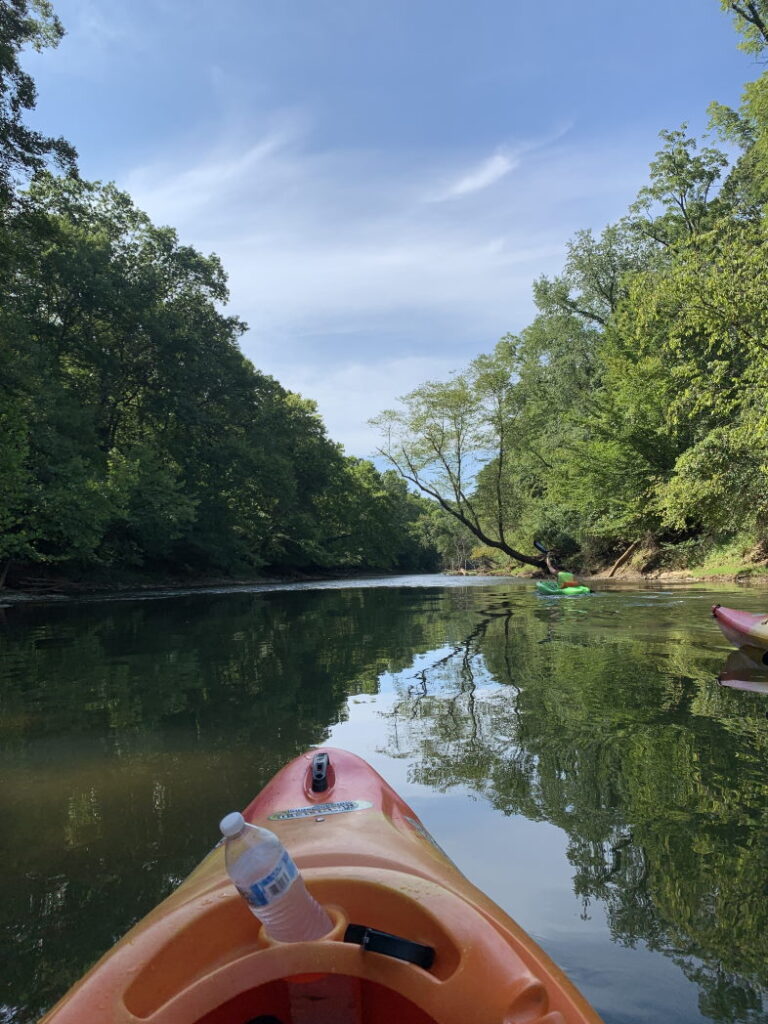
(201, 957)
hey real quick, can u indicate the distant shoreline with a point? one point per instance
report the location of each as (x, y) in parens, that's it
(60, 589)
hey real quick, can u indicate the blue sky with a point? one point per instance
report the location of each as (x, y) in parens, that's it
(382, 180)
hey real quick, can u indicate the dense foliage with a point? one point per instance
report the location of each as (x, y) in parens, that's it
(134, 432)
(635, 405)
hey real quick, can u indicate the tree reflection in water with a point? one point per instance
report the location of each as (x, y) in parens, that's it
(126, 729)
(656, 775)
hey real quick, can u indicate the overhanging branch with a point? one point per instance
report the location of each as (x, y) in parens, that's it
(411, 473)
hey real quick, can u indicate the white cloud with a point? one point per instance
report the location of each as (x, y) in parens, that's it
(182, 193)
(350, 393)
(485, 174)
(350, 280)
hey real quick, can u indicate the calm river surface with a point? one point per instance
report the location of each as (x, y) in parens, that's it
(575, 756)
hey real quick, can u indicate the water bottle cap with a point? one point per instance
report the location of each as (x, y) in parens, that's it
(232, 824)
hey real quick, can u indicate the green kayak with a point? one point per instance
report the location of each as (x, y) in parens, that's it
(550, 587)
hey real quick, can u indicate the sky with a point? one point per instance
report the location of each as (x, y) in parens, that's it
(383, 181)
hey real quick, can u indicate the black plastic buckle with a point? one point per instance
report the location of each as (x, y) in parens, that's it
(373, 941)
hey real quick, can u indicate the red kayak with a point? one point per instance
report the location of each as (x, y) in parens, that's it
(413, 942)
(742, 628)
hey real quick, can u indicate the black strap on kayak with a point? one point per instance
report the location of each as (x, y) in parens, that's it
(320, 764)
(374, 941)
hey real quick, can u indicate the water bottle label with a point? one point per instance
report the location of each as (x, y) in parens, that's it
(268, 888)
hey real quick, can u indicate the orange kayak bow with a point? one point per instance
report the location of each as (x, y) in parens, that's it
(202, 958)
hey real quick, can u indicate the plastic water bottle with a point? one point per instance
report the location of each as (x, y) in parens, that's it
(264, 873)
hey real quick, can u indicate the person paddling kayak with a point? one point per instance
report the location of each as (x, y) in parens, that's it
(563, 578)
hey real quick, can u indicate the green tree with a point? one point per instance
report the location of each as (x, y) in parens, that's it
(23, 150)
(751, 19)
(683, 180)
(707, 320)
(593, 280)
(446, 434)
(149, 436)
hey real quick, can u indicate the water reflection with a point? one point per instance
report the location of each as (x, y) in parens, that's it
(746, 669)
(127, 728)
(657, 778)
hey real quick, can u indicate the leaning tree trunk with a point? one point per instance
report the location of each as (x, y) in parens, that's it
(623, 558)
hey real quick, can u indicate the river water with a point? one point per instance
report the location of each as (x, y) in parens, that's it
(576, 757)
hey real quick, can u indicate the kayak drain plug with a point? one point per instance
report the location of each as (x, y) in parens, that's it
(373, 941)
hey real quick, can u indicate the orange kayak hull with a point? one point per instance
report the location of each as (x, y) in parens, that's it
(201, 957)
(742, 628)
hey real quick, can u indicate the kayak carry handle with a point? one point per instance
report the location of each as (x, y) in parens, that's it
(374, 941)
(320, 764)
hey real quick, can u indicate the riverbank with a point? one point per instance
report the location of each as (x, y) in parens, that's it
(702, 560)
(746, 575)
(738, 560)
(44, 583)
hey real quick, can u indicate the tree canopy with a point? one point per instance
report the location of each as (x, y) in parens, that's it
(135, 433)
(25, 23)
